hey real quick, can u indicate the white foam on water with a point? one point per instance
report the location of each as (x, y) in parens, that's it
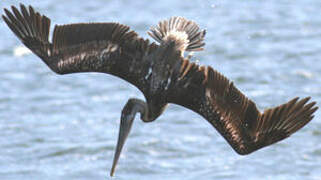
(20, 51)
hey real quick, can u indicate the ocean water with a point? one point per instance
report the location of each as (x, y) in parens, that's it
(66, 127)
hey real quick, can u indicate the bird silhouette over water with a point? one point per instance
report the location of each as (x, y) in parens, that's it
(162, 73)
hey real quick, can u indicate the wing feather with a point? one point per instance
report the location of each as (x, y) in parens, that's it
(85, 47)
(237, 119)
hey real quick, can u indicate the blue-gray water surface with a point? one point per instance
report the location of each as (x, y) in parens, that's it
(66, 127)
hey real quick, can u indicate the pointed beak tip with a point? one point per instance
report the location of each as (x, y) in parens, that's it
(112, 171)
(125, 126)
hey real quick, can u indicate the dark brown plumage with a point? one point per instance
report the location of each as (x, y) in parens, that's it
(162, 74)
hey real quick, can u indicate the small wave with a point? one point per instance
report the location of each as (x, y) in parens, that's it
(21, 51)
(304, 73)
(61, 152)
(316, 133)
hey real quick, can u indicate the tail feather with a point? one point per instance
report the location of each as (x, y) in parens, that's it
(185, 33)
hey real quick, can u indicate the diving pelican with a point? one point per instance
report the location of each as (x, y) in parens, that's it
(162, 73)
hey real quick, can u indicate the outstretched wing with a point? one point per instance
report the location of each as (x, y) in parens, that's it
(93, 47)
(237, 118)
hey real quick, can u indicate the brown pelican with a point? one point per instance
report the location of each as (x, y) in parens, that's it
(162, 73)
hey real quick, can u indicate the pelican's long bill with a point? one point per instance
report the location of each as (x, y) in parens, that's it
(126, 123)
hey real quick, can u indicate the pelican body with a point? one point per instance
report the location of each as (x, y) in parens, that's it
(162, 73)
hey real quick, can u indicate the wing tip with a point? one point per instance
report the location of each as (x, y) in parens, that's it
(299, 115)
(30, 27)
(281, 122)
